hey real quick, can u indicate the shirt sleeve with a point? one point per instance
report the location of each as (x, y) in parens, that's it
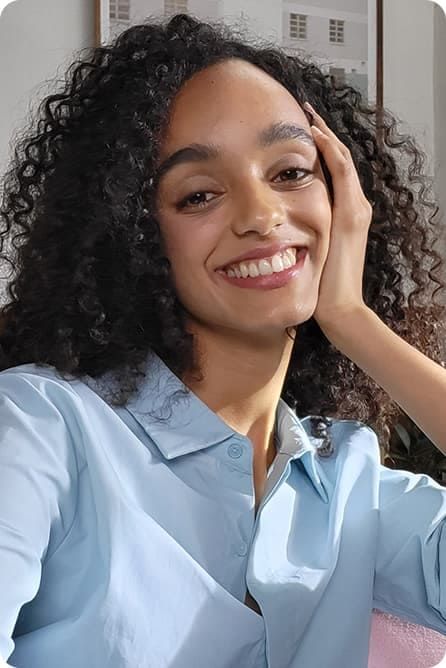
(410, 572)
(38, 481)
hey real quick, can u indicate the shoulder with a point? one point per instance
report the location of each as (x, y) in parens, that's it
(343, 447)
(342, 433)
(30, 384)
(347, 471)
(38, 400)
(41, 455)
(32, 376)
(37, 405)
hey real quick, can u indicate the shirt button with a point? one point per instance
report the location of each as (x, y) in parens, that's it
(235, 450)
(242, 549)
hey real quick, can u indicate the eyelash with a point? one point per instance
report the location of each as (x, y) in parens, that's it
(183, 203)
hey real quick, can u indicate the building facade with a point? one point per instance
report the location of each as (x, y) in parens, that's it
(335, 33)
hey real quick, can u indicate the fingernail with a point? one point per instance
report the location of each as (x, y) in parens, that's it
(316, 130)
(308, 106)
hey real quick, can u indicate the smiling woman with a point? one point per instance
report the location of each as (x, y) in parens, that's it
(240, 203)
(200, 258)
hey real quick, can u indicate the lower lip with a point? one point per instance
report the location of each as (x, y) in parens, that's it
(270, 281)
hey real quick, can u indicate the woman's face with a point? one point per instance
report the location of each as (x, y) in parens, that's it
(240, 178)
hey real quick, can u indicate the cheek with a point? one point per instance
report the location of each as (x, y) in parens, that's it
(174, 237)
(187, 247)
(312, 209)
(180, 263)
(312, 213)
(172, 241)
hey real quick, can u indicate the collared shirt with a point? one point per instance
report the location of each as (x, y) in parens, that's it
(128, 536)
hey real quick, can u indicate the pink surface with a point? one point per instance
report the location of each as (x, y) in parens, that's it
(395, 643)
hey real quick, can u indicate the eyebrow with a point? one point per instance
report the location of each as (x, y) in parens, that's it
(283, 131)
(275, 133)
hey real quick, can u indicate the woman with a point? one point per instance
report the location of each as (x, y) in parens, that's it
(192, 244)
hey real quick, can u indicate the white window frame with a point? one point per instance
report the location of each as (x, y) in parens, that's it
(175, 7)
(298, 26)
(336, 31)
(119, 10)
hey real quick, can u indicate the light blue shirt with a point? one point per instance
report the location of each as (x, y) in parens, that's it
(127, 541)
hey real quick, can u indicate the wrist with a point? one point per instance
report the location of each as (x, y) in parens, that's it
(348, 325)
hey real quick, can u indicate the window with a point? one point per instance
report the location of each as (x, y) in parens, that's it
(175, 6)
(298, 26)
(336, 31)
(120, 10)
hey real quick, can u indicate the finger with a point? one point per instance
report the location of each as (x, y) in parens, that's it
(342, 169)
(321, 124)
(343, 150)
(334, 157)
(318, 120)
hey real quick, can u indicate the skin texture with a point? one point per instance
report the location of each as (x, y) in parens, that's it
(247, 200)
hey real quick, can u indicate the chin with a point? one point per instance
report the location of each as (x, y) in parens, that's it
(300, 314)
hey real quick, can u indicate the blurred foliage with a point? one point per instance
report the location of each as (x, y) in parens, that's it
(411, 450)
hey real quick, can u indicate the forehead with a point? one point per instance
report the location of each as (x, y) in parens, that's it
(226, 102)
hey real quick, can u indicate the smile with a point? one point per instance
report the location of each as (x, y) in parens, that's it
(266, 273)
(265, 266)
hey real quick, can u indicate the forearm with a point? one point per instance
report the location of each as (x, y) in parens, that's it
(415, 383)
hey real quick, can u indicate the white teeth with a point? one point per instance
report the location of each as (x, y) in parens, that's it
(244, 269)
(277, 263)
(265, 266)
(253, 270)
(287, 261)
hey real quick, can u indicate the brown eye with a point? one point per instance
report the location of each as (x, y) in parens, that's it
(292, 174)
(197, 199)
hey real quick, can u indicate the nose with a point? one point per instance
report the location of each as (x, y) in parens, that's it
(258, 209)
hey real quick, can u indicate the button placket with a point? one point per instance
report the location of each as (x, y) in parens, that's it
(239, 453)
(242, 549)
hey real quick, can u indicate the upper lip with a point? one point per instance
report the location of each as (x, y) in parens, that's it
(263, 251)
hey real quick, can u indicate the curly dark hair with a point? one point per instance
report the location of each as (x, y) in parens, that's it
(91, 289)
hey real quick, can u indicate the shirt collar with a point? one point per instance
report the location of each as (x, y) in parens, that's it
(179, 423)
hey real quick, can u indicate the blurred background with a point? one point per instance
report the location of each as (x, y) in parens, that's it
(38, 40)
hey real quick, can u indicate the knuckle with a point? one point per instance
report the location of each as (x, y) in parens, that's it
(345, 166)
(357, 217)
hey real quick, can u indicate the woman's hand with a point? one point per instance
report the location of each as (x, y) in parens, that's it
(353, 327)
(340, 290)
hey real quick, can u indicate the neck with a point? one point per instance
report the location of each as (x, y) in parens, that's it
(242, 384)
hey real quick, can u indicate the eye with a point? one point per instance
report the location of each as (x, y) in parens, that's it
(195, 200)
(292, 174)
